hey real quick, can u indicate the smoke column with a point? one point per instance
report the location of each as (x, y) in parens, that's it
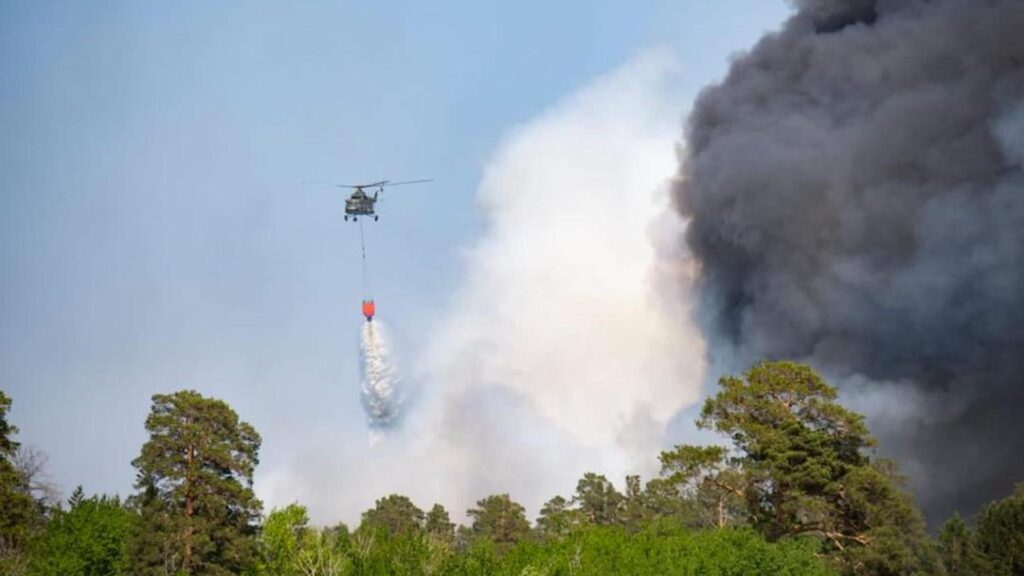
(382, 398)
(559, 357)
(855, 198)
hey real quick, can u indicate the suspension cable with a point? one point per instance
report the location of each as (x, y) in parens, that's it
(362, 246)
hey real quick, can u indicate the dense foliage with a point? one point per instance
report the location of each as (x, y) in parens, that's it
(396, 514)
(801, 468)
(794, 491)
(19, 512)
(198, 510)
(1000, 534)
(290, 547)
(87, 539)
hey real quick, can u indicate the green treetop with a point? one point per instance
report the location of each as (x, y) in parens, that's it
(395, 513)
(1000, 534)
(89, 539)
(960, 554)
(804, 470)
(598, 500)
(557, 518)
(288, 546)
(19, 512)
(194, 478)
(797, 444)
(499, 519)
(7, 431)
(439, 523)
(281, 539)
(711, 478)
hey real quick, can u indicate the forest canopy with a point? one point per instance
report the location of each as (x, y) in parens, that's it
(795, 488)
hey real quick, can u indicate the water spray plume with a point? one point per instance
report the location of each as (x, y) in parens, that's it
(381, 394)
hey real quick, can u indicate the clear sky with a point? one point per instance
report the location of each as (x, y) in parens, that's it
(154, 234)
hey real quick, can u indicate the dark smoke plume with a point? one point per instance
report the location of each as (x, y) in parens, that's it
(856, 199)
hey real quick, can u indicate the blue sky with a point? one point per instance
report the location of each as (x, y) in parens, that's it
(154, 234)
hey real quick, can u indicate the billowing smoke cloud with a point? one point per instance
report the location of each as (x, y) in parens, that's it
(557, 355)
(856, 199)
(382, 394)
(559, 344)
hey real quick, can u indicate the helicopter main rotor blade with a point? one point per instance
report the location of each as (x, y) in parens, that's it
(353, 186)
(380, 184)
(325, 183)
(387, 183)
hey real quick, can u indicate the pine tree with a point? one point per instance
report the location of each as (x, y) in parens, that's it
(598, 500)
(557, 518)
(499, 519)
(1000, 534)
(708, 476)
(198, 509)
(805, 470)
(76, 497)
(20, 514)
(959, 548)
(395, 513)
(664, 498)
(439, 523)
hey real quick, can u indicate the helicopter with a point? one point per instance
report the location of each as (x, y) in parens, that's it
(360, 203)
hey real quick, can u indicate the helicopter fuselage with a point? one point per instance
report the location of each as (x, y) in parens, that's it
(360, 204)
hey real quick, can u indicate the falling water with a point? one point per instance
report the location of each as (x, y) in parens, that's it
(381, 394)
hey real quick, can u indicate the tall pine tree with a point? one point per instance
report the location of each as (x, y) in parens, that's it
(499, 519)
(805, 470)
(194, 479)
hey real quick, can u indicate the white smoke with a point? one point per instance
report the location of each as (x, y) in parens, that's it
(563, 351)
(560, 356)
(382, 395)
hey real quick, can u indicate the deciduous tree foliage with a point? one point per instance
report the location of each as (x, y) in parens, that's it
(323, 554)
(280, 541)
(31, 464)
(89, 539)
(290, 547)
(194, 478)
(661, 548)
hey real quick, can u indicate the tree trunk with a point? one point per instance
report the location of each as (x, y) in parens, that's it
(186, 563)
